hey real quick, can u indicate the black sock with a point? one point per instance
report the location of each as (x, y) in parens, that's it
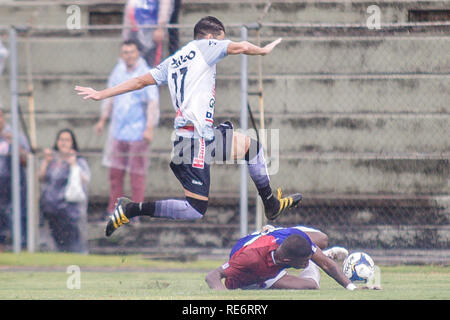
(135, 209)
(270, 202)
(265, 192)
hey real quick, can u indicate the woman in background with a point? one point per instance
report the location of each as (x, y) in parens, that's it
(67, 218)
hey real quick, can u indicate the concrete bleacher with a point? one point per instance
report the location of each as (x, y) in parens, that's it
(53, 12)
(369, 114)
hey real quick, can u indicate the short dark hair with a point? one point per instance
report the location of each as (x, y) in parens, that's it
(208, 25)
(295, 246)
(131, 42)
(74, 140)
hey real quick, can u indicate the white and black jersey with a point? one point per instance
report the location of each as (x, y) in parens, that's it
(190, 74)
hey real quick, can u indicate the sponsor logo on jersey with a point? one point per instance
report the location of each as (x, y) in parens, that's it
(209, 116)
(199, 183)
(176, 62)
(199, 160)
(212, 103)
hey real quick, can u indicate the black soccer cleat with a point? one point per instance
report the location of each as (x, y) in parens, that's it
(286, 203)
(118, 218)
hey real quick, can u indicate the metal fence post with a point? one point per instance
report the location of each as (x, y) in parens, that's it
(15, 165)
(244, 126)
(32, 214)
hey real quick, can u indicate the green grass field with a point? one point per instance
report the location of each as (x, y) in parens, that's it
(43, 276)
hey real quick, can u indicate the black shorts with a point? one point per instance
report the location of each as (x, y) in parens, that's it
(192, 158)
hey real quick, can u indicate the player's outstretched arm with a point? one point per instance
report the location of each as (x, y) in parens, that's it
(331, 268)
(214, 279)
(245, 47)
(124, 87)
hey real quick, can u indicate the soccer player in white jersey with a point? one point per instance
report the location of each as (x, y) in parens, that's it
(190, 74)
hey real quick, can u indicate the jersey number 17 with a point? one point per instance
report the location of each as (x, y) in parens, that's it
(175, 76)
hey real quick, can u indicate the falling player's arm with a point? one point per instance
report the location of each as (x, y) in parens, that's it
(124, 87)
(214, 279)
(332, 269)
(245, 47)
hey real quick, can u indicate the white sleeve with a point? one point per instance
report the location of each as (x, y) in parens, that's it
(160, 72)
(213, 50)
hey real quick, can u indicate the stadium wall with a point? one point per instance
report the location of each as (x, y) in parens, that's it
(369, 111)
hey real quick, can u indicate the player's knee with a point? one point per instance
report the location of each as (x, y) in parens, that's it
(199, 205)
(241, 144)
(253, 149)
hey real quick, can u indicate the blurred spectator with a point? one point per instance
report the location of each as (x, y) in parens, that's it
(67, 219)
(133, 116)
(174, 38)
(147, 13)
(5, 180)
(3, 56)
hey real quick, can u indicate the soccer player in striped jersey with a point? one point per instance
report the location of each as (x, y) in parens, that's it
(190, 74)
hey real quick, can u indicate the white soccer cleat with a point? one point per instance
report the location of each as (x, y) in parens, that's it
(336, 253)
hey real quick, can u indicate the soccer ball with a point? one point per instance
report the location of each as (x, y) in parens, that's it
(358, 266)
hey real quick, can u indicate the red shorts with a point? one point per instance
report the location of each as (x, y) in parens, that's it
(132, 156)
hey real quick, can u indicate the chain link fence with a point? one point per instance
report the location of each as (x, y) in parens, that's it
(368, 116)
(360, 122)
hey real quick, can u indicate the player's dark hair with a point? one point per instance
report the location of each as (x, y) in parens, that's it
(208, 25)
(295, 246)
(132, 42)
(74, 140)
